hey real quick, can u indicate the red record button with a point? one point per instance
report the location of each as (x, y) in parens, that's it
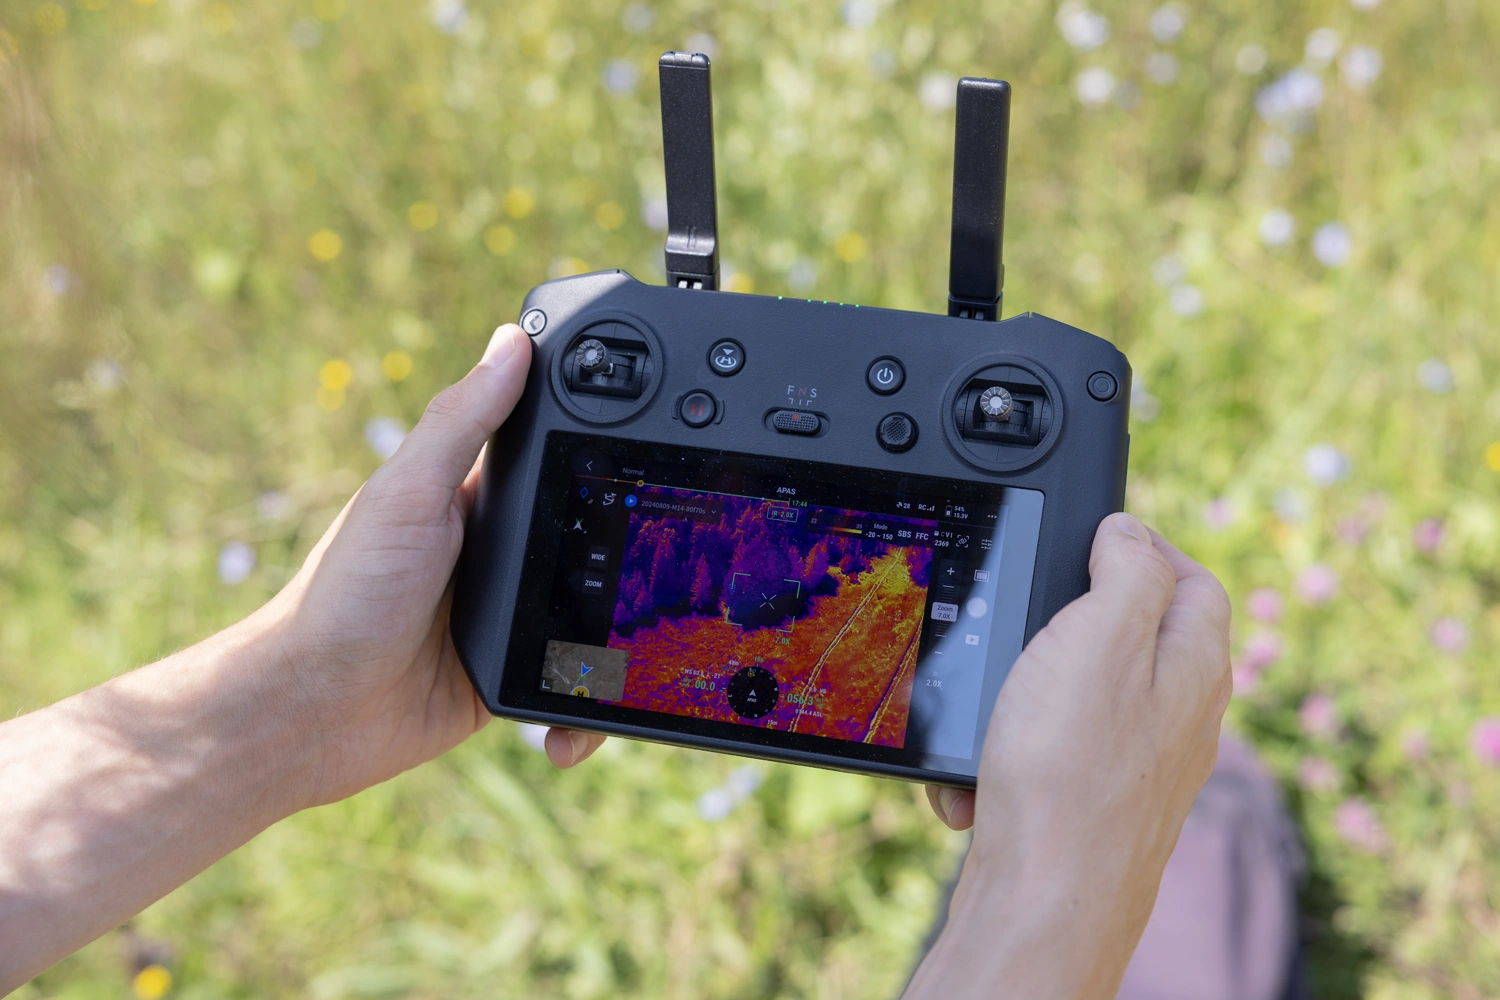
(698, 409)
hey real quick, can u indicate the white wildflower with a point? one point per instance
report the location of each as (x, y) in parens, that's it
(1332, 244)
(1322, 45)
(1095, 85)
(236, 562)
(1167, 22)
(1082, 27)
(384, 435)
(1435, 375)
(1277, 227)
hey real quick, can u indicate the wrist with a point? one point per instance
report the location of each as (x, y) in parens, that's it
(231, 701)
(276, 724)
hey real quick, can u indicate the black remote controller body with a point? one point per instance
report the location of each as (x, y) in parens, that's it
(794, 529)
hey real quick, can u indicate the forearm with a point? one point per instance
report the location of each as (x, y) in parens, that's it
(1057, 927)
(116, 796)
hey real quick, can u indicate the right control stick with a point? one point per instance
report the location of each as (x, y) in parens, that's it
(996, 402)
(593, 358)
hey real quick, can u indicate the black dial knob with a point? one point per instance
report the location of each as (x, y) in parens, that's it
(995, 402)
(593, 358)
(896, 432)
(752, 692)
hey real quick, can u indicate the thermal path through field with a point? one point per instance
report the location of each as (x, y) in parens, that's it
(844, 669)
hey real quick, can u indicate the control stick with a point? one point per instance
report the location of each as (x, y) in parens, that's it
(593, 358)
(995, 402)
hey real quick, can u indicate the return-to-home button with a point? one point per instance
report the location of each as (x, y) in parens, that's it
(885, 375)
(795, 422)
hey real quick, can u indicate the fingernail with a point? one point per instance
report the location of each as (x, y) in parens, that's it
(1130, 526)
(502, 345)
(580, 743)
(947, 799)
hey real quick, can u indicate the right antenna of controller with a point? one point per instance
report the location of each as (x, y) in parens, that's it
(981, 141)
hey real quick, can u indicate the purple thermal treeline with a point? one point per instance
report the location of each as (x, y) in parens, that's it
(675, 566)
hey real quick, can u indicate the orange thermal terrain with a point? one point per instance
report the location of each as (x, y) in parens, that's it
(843, 670)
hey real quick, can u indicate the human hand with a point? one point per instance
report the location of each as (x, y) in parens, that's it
(1100, 739)
(369, 664)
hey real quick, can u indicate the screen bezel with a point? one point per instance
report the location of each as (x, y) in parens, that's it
(519, 690)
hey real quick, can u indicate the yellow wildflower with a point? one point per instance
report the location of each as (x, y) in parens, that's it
(396, 365)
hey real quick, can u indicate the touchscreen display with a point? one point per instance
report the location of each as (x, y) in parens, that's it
(811, 599)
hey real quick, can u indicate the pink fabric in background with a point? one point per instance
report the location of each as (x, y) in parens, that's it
(1225, 922)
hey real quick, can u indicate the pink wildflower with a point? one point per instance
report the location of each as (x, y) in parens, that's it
(1356, 822)
(1261, 650)
(1484, 740)
(1428, 535)
(1449, 634)
(1352, 530)
(1264, 604)
(1319, 716)
(1317, 774)
(1317, 584)
(1218, 514)
(1415, 744)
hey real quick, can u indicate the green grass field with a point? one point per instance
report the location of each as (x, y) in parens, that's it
(1293, 233)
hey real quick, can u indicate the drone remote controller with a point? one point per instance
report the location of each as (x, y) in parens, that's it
(793, 529)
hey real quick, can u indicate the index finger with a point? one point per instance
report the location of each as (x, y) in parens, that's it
(1199, 595)
(566, 747)
(1195, 629)
(954, 806)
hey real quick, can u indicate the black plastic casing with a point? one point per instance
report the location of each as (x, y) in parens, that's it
(792, 345)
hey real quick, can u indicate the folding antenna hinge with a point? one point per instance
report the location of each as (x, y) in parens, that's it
(687, 132)
(988, 309)
(976, 274)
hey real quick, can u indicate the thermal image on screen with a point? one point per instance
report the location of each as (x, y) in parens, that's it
(761, 612)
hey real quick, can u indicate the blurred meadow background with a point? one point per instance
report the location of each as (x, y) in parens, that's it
(242, 243)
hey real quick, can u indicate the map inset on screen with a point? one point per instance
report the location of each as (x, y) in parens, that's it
(586, 671)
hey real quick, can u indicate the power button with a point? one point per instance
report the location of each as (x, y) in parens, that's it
(885, 375)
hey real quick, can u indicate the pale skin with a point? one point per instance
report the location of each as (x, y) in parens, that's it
(348, 677)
